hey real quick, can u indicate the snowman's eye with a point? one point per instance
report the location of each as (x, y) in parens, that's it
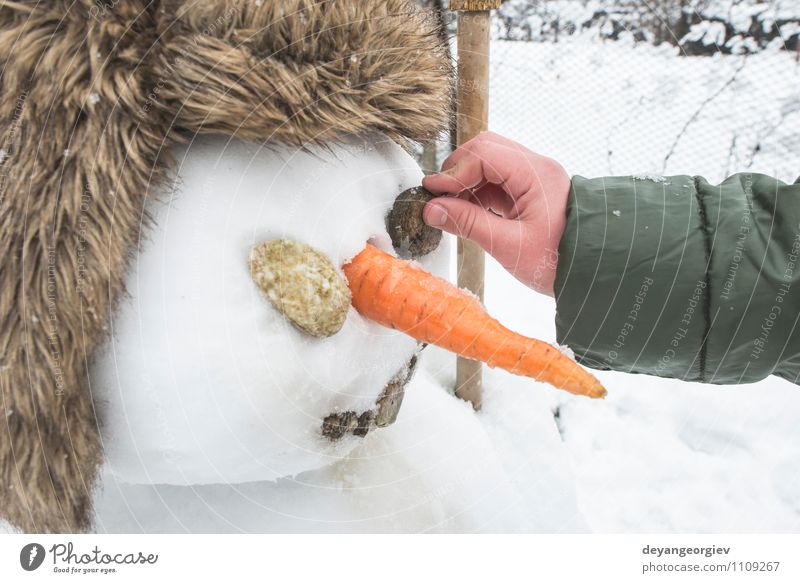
(302, 284)
(411, 237)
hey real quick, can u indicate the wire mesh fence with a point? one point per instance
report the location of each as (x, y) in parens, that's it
(633, 87)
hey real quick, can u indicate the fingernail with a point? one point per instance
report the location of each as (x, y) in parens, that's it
(436, 215)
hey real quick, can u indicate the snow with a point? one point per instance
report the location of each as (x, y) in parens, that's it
(203, 381)
(752, 21)
(790, 29)
(609, 109)
(709, 33)
(656, 455)
(565, 350)
(199, 439)
(664, 456)
(439, 468)
(650, 177)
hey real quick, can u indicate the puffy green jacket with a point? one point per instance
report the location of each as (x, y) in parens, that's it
(679, 278)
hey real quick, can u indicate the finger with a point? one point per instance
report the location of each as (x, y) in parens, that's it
(453, 158)
(498, 139)
(466, 147)
(437, 183)
(493, 197)
(470, 221)
(490, 162)
(465, 175)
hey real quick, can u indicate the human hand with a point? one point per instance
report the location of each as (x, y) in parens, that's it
(507, 199)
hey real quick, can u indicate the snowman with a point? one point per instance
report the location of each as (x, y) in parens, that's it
(206, 396)
(234, 416)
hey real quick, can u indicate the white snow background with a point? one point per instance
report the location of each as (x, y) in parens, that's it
(656, 455)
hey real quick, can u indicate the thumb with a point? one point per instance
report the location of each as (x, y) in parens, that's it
(471, 221)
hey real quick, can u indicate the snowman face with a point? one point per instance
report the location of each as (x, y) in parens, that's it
(203, 379)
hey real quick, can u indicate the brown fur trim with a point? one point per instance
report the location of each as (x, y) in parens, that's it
(75, 174)
(303, 71)
(91, 94)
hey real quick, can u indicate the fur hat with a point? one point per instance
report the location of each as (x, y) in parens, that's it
(93, 95)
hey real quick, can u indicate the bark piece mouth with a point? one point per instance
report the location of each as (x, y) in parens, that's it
(387, 407)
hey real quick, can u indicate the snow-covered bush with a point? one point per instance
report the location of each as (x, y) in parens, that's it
(698, 27)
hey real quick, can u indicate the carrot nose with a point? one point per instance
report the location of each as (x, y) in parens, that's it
(399, 295)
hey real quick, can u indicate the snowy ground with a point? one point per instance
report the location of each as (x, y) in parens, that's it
(656, 455)
(659, 455)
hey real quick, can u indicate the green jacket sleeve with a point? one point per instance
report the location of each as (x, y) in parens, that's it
(675, 277)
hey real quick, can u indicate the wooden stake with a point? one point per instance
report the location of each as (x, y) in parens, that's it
(474, 21)
(428, 159)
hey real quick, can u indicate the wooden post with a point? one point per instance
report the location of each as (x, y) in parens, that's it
(428, 158)
(474, 21)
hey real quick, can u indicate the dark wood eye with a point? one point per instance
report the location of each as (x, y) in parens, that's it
(411, 237)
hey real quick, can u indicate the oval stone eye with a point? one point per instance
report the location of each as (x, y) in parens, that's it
(302, 284)
(411, 236)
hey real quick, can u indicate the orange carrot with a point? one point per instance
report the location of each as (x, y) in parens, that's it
(399, 295)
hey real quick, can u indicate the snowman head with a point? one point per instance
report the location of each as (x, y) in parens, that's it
(213, 380)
